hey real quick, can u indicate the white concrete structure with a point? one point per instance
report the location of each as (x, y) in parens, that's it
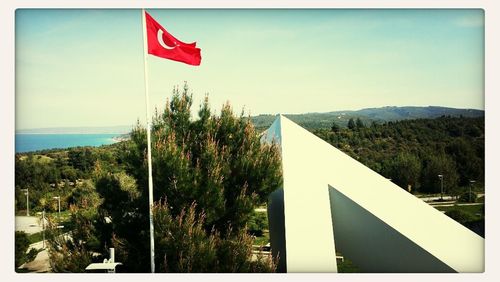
(330, 202)
(108, 265)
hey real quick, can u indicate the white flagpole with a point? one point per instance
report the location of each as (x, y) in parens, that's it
(150, 169)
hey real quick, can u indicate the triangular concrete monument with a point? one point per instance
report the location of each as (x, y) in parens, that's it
(330, 202)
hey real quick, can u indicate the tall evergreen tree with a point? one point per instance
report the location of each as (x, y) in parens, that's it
(359, 123)
(351, 125)
(335, 127)
(405, 170)
(435, 165)
(215, 167)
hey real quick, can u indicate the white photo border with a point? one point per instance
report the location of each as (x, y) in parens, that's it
(492, 118)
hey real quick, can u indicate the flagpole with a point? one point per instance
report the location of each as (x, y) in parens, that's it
(150, 169)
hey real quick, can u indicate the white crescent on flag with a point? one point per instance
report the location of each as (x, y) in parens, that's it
(162, 42)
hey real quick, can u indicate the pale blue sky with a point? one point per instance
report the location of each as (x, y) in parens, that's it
(85, 67)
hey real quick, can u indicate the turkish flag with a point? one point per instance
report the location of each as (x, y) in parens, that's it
(164, 45)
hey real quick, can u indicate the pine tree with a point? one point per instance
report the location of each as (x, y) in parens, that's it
(359, 123)
(350, 124)
(215, 167)
(335, 127)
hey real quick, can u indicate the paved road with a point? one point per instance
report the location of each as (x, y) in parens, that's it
(453, 204)
(40, 264)
(28, 224)
(445, 197)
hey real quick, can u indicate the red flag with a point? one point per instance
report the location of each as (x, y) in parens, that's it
(164, 45)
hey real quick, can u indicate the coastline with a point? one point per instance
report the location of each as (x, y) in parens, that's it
(120, 138)
(27, 142)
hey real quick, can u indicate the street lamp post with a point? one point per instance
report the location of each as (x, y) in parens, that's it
(441, 178)
(58, 198)
(470, 189)
(43, 229)
(27, 193)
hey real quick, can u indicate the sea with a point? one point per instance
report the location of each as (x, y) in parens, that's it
(36, 142)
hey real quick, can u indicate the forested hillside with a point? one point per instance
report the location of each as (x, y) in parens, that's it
(369, 115)
(415, 152)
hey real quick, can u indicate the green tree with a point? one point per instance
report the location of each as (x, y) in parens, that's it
(212, 171)
(22, 244)
(466, 197)
(405, 171)
(73, 252)
(469, 165)
(459, 215)
(258, 223)
(350, 124)
(185, 246)
(85, 196)
(82, 159)
(216, 161)
(69, 173)
(359, 123)
(439, 165)
(335, 127)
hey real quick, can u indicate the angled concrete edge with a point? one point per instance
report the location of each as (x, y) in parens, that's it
(331, 201)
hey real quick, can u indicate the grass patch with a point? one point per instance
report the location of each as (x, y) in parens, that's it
(471, 216)
(477, 211)
(262, 240)
(43, 159)
(65, 216)
(35, 237)
(347, 266)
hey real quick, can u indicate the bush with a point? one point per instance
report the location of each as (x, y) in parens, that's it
(467, 197)
(22, 245)
(347, 266)
(182, 245)
(257, 224)
(70, 258)
(31, 255)
(459, 215)
(73, 252)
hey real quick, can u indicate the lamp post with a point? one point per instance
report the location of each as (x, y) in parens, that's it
(470, 189)
(27, 193)
(58, 198)
(43, 229)
(441, 178)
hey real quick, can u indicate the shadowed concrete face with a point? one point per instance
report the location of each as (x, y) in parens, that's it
(373, 245)
(276, 216)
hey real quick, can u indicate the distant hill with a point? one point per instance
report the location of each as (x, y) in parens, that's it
(384, 114)
(308, 120)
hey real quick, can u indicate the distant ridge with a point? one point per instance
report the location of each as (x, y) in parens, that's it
(307, 120)
(368, 115)
(120, 129)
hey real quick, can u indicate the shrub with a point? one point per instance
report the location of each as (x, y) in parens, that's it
(22, 245)
(467, 197)
(459, 215)
(182, 245)
(258, 223)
